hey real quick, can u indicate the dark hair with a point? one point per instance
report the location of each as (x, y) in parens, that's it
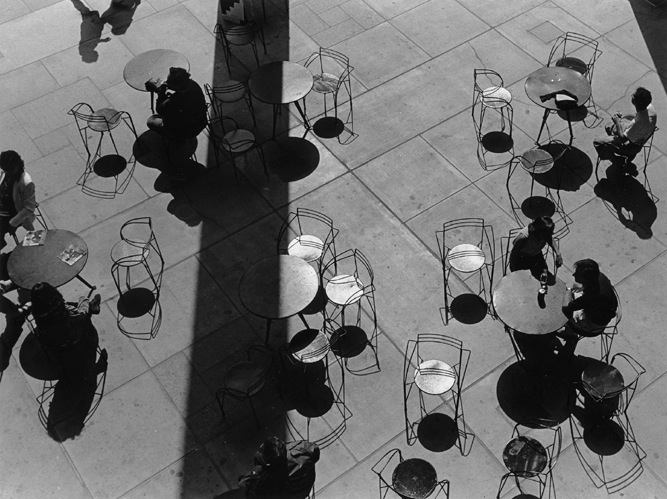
(588, 269)
(273, 453)
(541, 225)
(13, 160)
(178, 79)
(48, 306)
(642, 98)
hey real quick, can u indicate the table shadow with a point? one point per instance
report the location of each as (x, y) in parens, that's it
(292, 158)
(572, 168)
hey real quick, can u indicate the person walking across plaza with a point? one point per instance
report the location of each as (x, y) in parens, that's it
(17, 196)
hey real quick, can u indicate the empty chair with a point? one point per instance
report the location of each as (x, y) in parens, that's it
(579, 53)
(467, 249)
(435, 365)
(530, 457)
(230, 34)
(107, 171)
(331, 77)
(231, 140)
(602, 434)
(495, 146)
(245, 379)
(226, 93)
(137, 273)
(351, 279)
(414, 478)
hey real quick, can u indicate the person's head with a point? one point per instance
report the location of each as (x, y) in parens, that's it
(48, 305)
(586, 271)
(542, 227)
(273, 453)
(178, 79)
(11, 163)
(641, 98)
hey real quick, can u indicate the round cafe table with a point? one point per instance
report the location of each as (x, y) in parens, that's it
(29, 265)
(152, 64)
(546, 81)
(515, 300)
(278, 287)
(280, 83)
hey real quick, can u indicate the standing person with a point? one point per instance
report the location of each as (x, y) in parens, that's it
(627, 133)
(528, 244)
(17, 196)
(181, 106)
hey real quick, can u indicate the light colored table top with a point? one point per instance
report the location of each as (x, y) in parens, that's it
(29, 265)
(552, 79)
(278, 287)
(152, 64)
(515, 300)
(280, 82)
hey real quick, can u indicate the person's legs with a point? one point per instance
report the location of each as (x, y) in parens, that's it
(607, 147)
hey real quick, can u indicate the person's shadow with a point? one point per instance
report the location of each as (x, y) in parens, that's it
(118, 15)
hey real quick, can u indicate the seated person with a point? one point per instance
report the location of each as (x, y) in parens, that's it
(66, 332)
(628, 132)
(527, 247)
(15, 313)
(281, 471)
(590, 302)
(181, 106)
(17, 196)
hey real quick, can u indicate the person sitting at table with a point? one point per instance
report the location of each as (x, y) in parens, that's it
(528, 245)
(627, 133)
(590, 301)
(181, 106)
(17, 196)
(282, 471)
(66, 332)
(15, 313)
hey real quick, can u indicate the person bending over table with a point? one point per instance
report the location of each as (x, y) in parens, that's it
(181, 106)
(590, 302)
(17, 196)
(66, 332)
(527, 247)
(280, 471)
(627, 133)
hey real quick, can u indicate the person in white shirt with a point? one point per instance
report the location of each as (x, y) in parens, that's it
(627, 133)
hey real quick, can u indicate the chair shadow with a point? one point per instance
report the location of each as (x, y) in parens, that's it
(292, 158)
(468, 308)
(437, 432)
(627, 199)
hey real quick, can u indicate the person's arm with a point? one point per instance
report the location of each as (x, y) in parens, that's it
(559, 257)
(26, 189)
(621, 125)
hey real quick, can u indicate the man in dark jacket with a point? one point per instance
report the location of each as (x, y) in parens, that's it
(181, 106)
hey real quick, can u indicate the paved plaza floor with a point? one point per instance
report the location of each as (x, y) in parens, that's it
(158, 432)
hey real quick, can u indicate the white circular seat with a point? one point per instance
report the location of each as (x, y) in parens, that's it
(344, 289)
(434, 377)
(466, 258)
(306, 247)
(496, 97)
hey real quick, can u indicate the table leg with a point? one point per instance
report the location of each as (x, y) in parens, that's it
(268, 330)
(544, 122)
(569, 124)
(302, 112)
(92, 288)
(303, 319)
(276, 110)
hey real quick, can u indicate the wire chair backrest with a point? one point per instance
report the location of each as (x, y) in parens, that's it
(631, 371)
(484, 239)
(568, 46)
(539, 428)
(454, 345)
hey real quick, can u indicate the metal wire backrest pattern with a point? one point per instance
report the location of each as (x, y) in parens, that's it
(460, 367)
(331, 62)
(146, 246)
(387, 463)
(306, 222)
(495, 80)
(228, 93)
(484, 240)
(360, 269)
(632, 371)
(568, 45)
(538, 428)
(86, 119)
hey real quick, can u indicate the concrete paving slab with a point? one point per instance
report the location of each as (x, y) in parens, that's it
(158, 437)
(25, 84)
(13, 9)
(489, 12)
(15, 138)
(439, 26)
(170, 374)
(616, 13)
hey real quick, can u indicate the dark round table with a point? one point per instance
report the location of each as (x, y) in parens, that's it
(546, 81)
(525, 456)
(280, 83)
(516, 302)
(414, 478)
(29, 265)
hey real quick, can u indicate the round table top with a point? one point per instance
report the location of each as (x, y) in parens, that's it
(525, 456)
(552, 79)
(414, 478)
(278, 287)
(29, 265)
(515, 300)
(280, 82)
(602, 380)
(466, 257)
(434, 377)
(152, 64)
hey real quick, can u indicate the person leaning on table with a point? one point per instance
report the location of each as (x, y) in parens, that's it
(17, 196)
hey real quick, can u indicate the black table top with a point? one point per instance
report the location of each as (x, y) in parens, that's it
(29, 265)
(553, 79)
(280, 82)
(515, 300)
(414, 478)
